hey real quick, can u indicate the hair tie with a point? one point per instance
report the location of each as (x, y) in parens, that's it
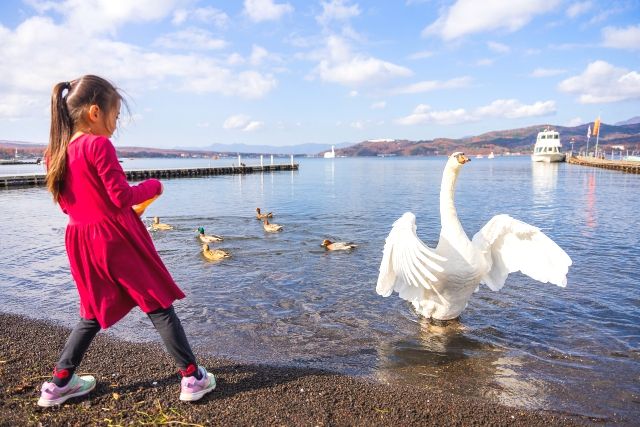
(67, 85)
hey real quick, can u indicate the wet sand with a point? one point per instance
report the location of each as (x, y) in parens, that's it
(138, 384)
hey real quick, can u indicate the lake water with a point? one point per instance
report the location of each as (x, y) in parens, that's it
(281, 299)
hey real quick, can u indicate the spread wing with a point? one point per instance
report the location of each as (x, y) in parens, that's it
(510, 245)
(406, 259)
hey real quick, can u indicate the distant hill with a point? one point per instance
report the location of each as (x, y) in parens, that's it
(505, 141)
(631, 121)
(499, 142)
(299, 149)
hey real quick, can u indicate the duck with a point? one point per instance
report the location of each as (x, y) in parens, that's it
(271, 228)
(263, 216)
(338, 246)
(214, 254)
(207, 238)
(157, 225)
(439, 282)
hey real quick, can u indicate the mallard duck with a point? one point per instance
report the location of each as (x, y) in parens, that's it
(157, 225)
(207, 238)
(215, 254)
(263, 216)
(440, 282)
(271, 228)
(338, 246)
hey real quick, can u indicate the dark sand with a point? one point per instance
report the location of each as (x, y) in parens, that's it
(138, 384)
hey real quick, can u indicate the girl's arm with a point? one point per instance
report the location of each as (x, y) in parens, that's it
(114, 179)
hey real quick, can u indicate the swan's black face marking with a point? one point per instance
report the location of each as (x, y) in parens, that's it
(461, 158)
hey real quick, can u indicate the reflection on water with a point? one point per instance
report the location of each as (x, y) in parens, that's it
(283, 299)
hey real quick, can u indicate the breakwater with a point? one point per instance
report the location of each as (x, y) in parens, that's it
(619, 165)
(138, 175)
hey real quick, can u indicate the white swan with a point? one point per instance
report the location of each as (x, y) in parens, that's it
(440, 282)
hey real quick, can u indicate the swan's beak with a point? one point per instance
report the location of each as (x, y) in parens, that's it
(462, 159)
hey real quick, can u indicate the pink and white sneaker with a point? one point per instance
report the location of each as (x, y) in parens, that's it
(51, 394)
(192, 389)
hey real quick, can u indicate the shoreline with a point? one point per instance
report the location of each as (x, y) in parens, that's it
(138, 383)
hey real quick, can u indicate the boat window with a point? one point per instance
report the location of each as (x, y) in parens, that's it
(556, 136)
(543, 137)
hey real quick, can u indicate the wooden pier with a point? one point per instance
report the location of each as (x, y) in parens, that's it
(35, 179)
(619, 165)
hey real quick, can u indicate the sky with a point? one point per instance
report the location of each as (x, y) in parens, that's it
(282, 73)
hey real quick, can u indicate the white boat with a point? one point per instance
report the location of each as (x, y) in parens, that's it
(330, 154)
(491, 155)
(479, 156)
(548, 147)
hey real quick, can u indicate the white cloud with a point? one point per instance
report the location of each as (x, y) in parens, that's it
(547, 72)
(242, 122)
(471, 16)
(421, 54)
(602, 82)
(353, 93)
(378, 105)
(258, 53)
(579, 8)
(30, 51)
(338, 10)
(206, 15)
(266, 10)
(430, 85)
(498, 47)
(98, 16)
(576, 121)
(14, 106)
(484, 62)
(513, 109)
(622, 38)
(190, 39)
(501, 108)
(357, 125)
(340, 65)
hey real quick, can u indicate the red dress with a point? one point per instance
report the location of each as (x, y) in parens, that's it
(112, 257)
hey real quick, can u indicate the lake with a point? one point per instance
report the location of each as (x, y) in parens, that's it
(282, 299)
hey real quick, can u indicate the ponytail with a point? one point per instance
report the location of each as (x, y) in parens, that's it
(59, 136)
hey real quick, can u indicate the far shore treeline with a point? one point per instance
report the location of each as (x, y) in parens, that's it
(511, 141)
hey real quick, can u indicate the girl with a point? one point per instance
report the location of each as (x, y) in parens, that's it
(113, 260)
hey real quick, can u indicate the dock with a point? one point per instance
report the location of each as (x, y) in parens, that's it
(619, 165)
(35, 179)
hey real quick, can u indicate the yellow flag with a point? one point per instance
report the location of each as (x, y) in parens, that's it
(596, 127)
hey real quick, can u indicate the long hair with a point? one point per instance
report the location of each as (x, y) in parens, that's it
(67, 114)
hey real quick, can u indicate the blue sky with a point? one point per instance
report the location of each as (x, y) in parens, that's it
(289, 72)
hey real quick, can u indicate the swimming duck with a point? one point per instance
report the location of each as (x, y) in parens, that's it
(207, 238)
(271, 228)
(214, 254)
(157, 225)
(338, 246)
(263, 216)
(440, 282)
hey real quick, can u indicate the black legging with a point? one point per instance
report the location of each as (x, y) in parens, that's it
(164, 320)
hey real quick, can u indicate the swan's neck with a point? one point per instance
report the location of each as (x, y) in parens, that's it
(450, 223)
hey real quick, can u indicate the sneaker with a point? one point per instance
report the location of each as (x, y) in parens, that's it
(51, 394)
(192, 389)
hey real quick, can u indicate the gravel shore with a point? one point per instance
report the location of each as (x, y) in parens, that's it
(138, 384)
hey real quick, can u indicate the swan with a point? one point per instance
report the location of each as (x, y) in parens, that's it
(214, 254)
(338, 246)
(263, 216)
(271, 228)
(440, 282)
(157, 225)
(207, 238)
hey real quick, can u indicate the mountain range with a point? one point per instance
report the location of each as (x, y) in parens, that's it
(625, 134)
(499, 142)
